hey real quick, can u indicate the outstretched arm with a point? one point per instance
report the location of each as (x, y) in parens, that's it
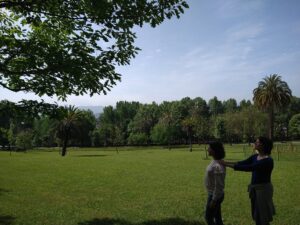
(229, 164)
(247, 161)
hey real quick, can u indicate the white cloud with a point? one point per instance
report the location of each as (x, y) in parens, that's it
(238, 8)
(245, 32)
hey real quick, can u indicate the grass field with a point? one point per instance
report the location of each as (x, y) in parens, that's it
(133, 187)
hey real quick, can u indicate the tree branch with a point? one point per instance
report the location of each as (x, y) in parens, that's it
(12, 89)
(28, 6)
(9, 4)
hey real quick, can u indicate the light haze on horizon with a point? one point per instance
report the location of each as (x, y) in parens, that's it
(217, 48)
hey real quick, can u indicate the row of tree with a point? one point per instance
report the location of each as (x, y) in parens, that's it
(131, 123)
(193, 121)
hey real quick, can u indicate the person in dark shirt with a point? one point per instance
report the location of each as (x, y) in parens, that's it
(260, 188)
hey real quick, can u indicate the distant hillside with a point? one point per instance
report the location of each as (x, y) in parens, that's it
(95, 109)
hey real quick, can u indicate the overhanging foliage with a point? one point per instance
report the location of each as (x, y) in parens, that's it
(63, 47)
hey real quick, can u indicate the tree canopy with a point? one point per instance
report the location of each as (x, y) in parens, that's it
(132, 123)
(272, 93)
(63, 47)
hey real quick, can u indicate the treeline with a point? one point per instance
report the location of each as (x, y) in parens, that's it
(186, 121)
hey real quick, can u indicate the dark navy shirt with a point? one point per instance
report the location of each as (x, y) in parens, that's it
(261, 169)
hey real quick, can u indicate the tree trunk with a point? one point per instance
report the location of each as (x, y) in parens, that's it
(271, 123)
(190, 143)
(64, 148)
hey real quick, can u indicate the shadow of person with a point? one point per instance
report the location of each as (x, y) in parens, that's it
(105, 221)
(6, 220)
(167, 221)
(90, 155)
(3, 191)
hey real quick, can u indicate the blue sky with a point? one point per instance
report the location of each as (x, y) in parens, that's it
(217, 48)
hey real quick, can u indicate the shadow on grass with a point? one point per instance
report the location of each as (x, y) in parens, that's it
(168, 221)
(6, 220)
(3, 191)
(90, 155)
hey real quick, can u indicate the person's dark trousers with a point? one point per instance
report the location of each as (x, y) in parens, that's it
(257, 221)
(255, 213)
(213, 216)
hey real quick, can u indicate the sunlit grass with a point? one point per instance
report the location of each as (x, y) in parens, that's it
(133, 186)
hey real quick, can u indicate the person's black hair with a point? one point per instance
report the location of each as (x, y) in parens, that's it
(267, 144)
(218, 149)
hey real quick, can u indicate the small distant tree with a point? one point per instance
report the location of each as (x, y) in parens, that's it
(220, 129)
(188, 125)
(67, 125)
(44, 131)
(11, 134)
(24, 140)
(96, 140)
(118, 137)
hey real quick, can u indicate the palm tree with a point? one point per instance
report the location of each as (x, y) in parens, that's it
(272, 93)
(67, 125)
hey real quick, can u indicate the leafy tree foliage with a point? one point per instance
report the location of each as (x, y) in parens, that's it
(292, 109)
(220, 129)
(107, 125)
(230, 105)
(125, 113)
(272, 93)
(188, 124)
(215, 106)
(24, 140)
(167, 128)
(63, 47)
(244, 104)
(187, 121)
(4, 141)
(244, 125)
(203, 129)
(44, 131)
(161, 134)
(200, 107)
(144, 120)
(138, 139)
(7, 112)
(294, 126)
(86, 123)
(113, 123)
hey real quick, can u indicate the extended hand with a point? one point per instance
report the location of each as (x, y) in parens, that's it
(222, 162)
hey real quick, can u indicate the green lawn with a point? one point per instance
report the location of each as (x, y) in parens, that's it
(133, 187)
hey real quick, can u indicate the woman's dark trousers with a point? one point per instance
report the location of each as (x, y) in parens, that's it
(213, 216)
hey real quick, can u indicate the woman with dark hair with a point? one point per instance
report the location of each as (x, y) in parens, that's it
(260, 189)
(215, 182)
